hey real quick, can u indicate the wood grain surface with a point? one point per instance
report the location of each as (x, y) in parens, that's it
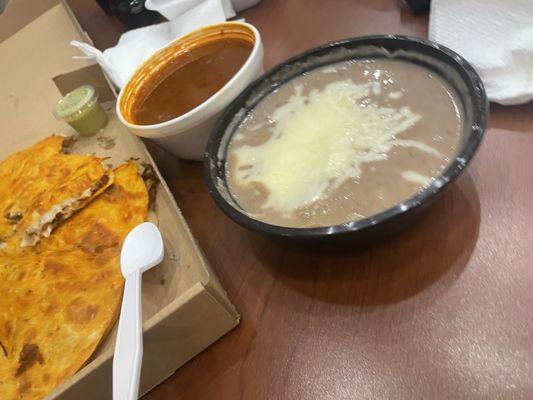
(442, 312)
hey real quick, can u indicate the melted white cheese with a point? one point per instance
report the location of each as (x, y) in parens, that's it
(321, 140)
(416, 177)
(395, 95)
(43, 225)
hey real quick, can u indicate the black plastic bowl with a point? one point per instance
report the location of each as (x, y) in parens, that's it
(439, 59)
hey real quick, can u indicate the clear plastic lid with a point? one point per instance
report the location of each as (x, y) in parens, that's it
(76, 102)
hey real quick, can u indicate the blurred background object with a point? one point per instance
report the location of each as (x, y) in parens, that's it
(416, 6)
(131, 13)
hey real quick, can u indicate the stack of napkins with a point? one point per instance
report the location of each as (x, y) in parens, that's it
(496, 37)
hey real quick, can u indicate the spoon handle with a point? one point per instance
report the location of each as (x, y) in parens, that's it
(129, 345)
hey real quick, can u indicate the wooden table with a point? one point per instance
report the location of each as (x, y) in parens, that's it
(442, 312)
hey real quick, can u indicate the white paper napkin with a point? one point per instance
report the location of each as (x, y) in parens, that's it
(496, 37)
(171, 9)
(137, 45)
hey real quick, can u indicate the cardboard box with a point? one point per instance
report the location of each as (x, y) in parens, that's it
(184, 307)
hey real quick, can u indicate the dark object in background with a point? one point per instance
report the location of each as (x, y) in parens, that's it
(416, 6)
(442, 61)
(131, 13)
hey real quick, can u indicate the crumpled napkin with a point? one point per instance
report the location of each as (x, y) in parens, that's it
(137, 45)
(171, 9)
(496, 37)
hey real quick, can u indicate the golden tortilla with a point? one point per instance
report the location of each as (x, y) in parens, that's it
(60, 297)
(40, 187)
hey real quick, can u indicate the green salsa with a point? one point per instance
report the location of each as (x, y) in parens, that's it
(82, 111)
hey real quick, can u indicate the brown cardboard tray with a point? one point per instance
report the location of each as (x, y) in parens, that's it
(184, 307)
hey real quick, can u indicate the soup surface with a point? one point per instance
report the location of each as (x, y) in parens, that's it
(343, 142)
(190, 80)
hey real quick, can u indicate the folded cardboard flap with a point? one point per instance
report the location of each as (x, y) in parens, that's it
(184, 306)
(89, 75)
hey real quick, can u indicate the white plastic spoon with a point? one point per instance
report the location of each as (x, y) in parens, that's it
(142, 250)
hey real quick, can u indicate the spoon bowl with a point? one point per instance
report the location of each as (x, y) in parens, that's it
(142, 249)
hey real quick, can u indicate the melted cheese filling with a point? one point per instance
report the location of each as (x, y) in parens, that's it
(43, 225)
(322, 139)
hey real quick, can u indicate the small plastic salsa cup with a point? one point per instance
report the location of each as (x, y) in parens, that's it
(82, 111)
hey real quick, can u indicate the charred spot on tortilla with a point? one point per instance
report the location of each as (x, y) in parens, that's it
(29, 356)
(68, 144)
(13, 217)
(3, 348)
